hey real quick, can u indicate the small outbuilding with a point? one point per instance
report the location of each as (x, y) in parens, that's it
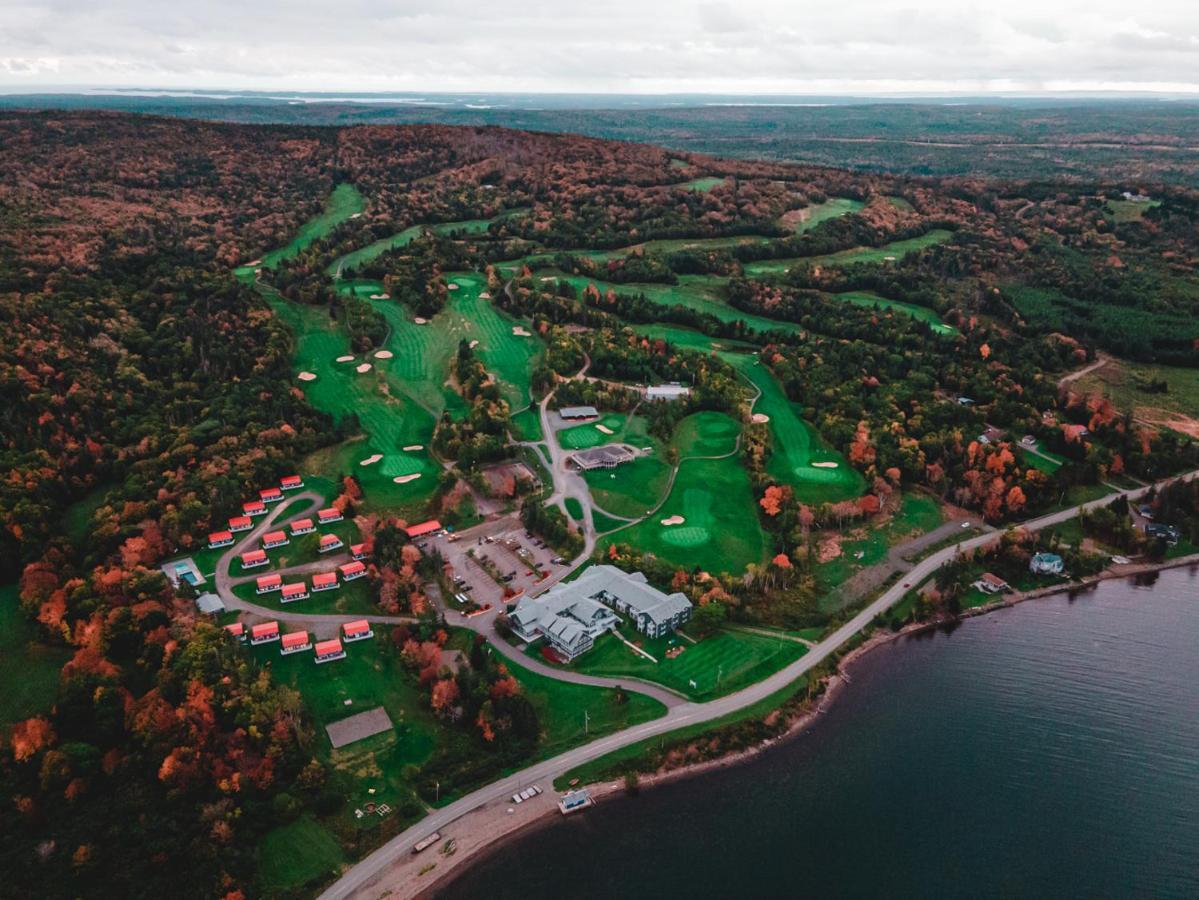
(264, 633)
(253, 558)
(329, 516)
(269, 583)
(359, 630)
(325, 581)
(297, 590)
(351, 570)
(220, 539)
(327, 651)
(302, 526)
(291, 482)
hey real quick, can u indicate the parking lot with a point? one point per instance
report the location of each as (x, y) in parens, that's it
(492, 557)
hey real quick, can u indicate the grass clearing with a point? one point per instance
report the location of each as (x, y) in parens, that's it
(717, 665)
(706, 433)
(808, 218)
(1120, 211)
(292, 855)
(29, 669)
(704, 184)
(1162, 395)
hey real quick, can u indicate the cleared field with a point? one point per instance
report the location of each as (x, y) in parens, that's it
(797, 445)
(719, 530)
(1162, 395)
(919, 313)
(885, 253)
(703, 185)
(1128, 210)
(604, 523)
(716, 665)
(809, 217)
(29, 669)
(345, 201)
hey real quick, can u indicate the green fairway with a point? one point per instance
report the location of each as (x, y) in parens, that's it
(580, 437)
(351, 262)
(703, 185)
(812, 216)
(720, 530)
(717, 665)
(919, 313)
(885, 253)
(292, 855)
(689, 338)
(629, 489)
(706, 433)
(344, 202)
(29, 669)
(817, 473)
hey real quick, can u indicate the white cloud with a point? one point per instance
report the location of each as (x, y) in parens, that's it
(794, 46)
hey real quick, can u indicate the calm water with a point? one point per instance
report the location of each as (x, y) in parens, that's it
(1049, 750)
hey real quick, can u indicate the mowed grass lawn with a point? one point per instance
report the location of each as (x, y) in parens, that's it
(897, 250)
(294, 854)
(29, 669)
(589, 434)
(719, 664)
(797, 445)
(720, 530)
(629, 490)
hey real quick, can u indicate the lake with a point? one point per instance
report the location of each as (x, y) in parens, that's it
(1050, 749)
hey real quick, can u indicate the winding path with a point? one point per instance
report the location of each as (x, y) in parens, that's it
(357, 881)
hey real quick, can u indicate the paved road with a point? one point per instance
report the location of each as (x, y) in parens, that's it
(291, 506)
(356, 882)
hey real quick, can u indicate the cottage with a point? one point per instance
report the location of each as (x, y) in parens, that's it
(264, 633)
(237, 630)
(254, 508)
(329, 516)
(253, 559)
(270, 495)
(295, 642)
(328, 543)
(297, 590)
(327, 651)
(240, 523)
(991, 584)
(274, 539)
(220, 539)
(269, 583)
(571, 616)
(1046, 564)
(302, 526)
(291, 482)
(357, 551)
(359, 630)
(351, 570)
(325, 581)
(424, 528)
(571, 413)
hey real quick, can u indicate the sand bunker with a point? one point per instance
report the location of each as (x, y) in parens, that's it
(356, 216)
(485, 296)
(605, 429)
(760, 418)
(345, 359)
(404, 479)
(452, 286)
(519, 331)
(307, 376)
(365, 367)
(474, 344)
(419, 321)
(254, 262)
(380, 296)
(412, 448)
(673, 520)
(549, 278)
(889, 259)
(371, 460)
(383, 354)
(825, 465)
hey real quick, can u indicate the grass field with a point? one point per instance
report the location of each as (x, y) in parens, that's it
(630, 489)
(574, 508)
(345, 201)
(1128, 210)
(703, 185)
(829, 209)
(1127, 383)
(720, 531)
(919, 313)
(718, 665)
(28, 668)
(797, 445)
(580, 437)
(1044, 461)
(896, 250)
(294, 854)
(706, 434)
(604, 523)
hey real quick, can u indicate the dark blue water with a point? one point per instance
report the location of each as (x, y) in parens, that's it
(1048, 750)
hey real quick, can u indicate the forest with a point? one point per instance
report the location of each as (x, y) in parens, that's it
(156, 318)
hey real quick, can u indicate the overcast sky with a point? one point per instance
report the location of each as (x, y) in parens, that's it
(652, 46)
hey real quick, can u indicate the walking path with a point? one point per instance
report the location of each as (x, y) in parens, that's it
(357, 881)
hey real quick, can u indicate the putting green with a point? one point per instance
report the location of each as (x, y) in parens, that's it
(581, 437)
(706, 434)
(816, 473)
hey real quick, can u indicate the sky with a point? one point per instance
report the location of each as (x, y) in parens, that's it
(613, 46)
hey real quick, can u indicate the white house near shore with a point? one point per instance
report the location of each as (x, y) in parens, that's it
(571, 616)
